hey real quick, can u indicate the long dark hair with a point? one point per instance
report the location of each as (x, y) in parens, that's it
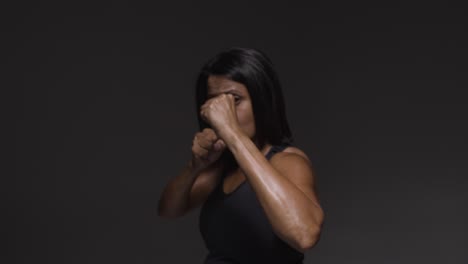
(253, 69)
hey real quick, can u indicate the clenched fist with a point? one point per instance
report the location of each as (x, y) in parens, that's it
(207, 147)
(220, 113)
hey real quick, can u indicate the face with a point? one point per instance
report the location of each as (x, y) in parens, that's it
(218, 85)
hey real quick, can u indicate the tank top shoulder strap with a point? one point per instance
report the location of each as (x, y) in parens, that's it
(275, 149)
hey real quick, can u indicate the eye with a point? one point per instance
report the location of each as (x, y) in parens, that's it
(236, 99)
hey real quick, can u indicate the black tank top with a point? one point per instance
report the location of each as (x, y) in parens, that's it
(235, 228)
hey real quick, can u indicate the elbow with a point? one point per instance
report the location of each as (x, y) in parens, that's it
(309, 241)
(312, 236)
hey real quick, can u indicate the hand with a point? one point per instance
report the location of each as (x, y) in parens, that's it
(220, 113)
(207, 147)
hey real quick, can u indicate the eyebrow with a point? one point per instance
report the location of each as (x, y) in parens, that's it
(227, 91)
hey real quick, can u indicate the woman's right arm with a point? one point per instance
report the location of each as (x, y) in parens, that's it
(198, 178)
(187, 191)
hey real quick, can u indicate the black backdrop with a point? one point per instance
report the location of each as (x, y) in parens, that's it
(104, 117)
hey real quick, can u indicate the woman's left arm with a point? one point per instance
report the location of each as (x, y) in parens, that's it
(285, 189)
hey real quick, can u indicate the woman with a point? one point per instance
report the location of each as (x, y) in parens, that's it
(257, 191)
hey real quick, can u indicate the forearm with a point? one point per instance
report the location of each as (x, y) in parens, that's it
(294, 217)
(174, 200)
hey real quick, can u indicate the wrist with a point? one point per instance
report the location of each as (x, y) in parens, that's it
(230, 134)
(193, 168)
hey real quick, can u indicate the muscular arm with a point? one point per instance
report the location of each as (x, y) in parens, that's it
(174, 200)
(284, 189)
(187, 190)
(198, 178)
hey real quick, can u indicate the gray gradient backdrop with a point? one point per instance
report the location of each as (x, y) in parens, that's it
(104, 117)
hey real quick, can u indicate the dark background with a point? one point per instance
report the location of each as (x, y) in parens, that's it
(102, 100)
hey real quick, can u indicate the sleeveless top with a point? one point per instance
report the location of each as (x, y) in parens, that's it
(235, 228)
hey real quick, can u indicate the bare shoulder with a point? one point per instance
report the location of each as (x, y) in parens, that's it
(294, 164)
(290, 156)
(295, 150)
